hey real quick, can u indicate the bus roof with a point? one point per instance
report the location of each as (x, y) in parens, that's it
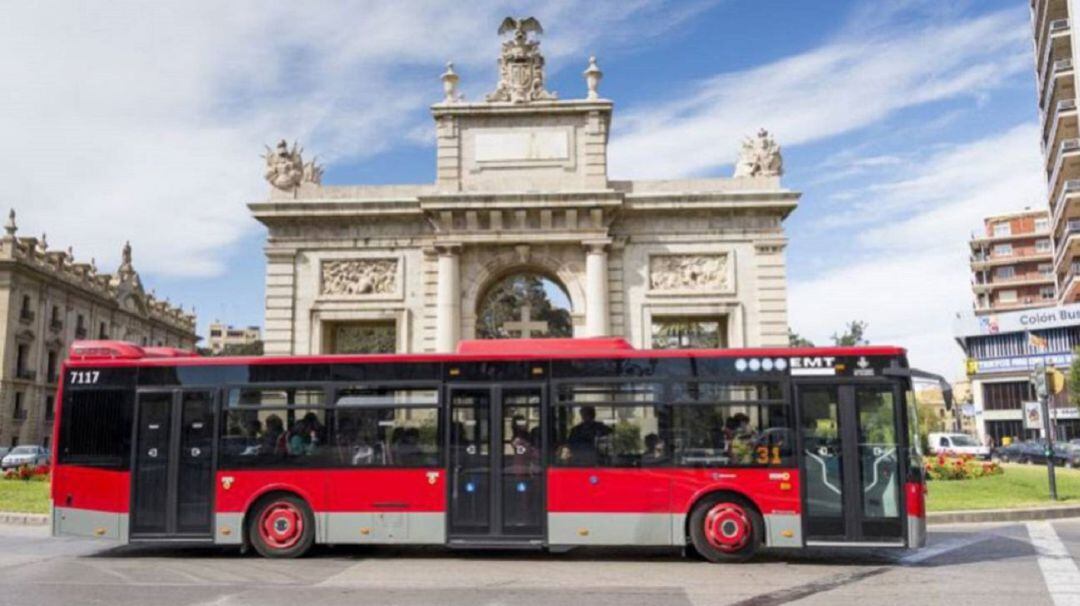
(120, 353)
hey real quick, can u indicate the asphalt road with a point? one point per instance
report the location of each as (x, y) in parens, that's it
(1014, 564)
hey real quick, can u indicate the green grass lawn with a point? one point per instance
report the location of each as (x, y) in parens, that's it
(1019, 486)
(24, 497)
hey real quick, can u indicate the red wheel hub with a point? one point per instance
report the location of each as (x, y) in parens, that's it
(281, 525)
(728, 527)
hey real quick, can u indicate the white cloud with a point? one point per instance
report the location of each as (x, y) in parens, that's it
(144, 121)
(858, 79)
(908, 274)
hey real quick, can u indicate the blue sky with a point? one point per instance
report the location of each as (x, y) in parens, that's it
(902, 123)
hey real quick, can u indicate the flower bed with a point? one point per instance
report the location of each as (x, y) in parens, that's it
(961, 467)
(28, 473)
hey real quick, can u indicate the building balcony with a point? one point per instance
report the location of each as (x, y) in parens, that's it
(984, 241)
(998, 261)
(1030, 279)
(1059, 70)
(26, 315)
(80, 332)
(1052, 46)
(1026, 302)
(1062, 123)
(19, 414)
(1043, 12)
(1066, 166)
(25, 374)
(56, 325)
(1059, 207)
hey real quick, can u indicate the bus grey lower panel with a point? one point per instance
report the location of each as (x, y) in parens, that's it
(783, 530)
(229, 528)
(916, 532)
(70, 521)
(609, 529)
(391, 527)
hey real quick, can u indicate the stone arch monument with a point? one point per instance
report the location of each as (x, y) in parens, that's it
(522, 185)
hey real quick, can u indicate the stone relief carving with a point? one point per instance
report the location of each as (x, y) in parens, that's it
(359, 276)
(688, 272)
(286, 169)
(759, 157)
(521, 66)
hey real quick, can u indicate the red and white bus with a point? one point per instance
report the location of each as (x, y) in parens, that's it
(551, 443)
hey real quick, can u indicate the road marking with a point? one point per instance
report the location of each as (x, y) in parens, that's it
(941, 548)
(1059, 571)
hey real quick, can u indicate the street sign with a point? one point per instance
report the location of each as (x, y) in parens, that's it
(1033, 415)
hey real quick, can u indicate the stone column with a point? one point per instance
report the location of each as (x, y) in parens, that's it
(448, 299)
(596, 289)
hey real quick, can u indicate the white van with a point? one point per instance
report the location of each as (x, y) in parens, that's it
(957, 443)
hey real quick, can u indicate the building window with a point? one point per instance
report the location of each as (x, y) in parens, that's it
(1007, 296)
(51, 367)
(1005, 272)
(361, 337)
(103, 332)
(50, 409)
(26, 314)
(1046, 293)
(1006, 396)
(54, 319)
(524, 306)
(20, 407)
(1042, 246)
(1002, 229)
(1042, 224)
(1003, 250)
(689, 333)
(80, 327)
(1046, 269)
(22, 362)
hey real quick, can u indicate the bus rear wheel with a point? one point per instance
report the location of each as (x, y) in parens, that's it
(726, 529)
(282, 527)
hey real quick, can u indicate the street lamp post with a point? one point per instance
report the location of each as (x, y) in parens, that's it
(1042, 391)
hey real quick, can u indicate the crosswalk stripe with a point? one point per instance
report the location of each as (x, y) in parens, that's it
(1059, 570)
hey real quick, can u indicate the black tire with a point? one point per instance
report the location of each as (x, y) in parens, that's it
(1003, 458)
(726, 528)
(281, 526)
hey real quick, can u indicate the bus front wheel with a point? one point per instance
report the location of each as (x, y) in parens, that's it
(282, 527)
(726, 528)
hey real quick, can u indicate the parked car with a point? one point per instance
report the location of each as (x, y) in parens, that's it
(3, 452)
(25, 455)
(1066, 454)
(1016, 452)
(957, 443)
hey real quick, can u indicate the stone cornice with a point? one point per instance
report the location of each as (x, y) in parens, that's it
(571, 106)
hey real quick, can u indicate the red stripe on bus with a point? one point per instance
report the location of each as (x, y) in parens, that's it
(90, 488)
(337, 490)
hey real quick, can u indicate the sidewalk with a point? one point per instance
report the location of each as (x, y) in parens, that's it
(24, 519)
(1003, 515)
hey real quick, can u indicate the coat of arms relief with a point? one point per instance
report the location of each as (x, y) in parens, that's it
(521, 66)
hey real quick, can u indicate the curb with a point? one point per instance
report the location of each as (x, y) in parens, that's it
(1003, 515)
(24, 519)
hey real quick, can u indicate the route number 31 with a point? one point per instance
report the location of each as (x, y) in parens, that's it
(767, 455)
(85, 377)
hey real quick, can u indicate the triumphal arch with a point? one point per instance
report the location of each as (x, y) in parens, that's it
(524, 234)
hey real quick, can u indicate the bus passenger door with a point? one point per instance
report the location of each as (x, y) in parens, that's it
(496, 480)
(172, 473)
(850, 453)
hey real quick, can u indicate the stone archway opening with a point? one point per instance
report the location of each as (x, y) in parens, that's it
(524, 305)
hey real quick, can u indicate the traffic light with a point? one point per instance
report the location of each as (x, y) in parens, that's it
(1056, 380)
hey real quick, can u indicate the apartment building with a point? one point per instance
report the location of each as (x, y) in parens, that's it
(1012, 263)
(1055, 78)
(223, 335)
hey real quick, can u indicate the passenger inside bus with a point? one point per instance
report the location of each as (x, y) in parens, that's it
(583, 437)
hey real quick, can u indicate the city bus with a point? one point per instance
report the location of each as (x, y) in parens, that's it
(533, 444)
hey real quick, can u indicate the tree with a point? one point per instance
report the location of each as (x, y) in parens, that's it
(854, 334)
(1073, 379)
(797, 340)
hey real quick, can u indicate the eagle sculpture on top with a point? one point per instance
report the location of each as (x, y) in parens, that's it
(520, 27)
